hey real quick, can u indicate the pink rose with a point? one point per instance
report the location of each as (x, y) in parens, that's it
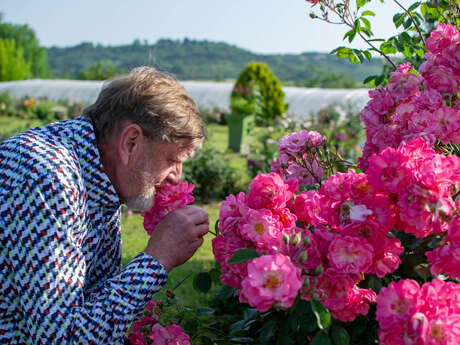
(271, 279)
(349, 254)
(167, 198)
(169, 335)
(268, 191)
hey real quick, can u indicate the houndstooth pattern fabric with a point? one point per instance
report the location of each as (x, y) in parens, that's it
(61, 280)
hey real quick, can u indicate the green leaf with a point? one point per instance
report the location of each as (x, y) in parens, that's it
(398, 19)
(343, 52)
(216, 227)
(202, 282)
(321, 339)
(204, 311)
(353, 58)
(360, 3)
(268, 330)
(340, 336)
(407, 23)
(368, 13)
(243, 255)
(250, 314)
(236, 327)
(225, 292)
(323, 317)
(366, 22)
(369, 78)
(387, 48)
(368, 55)
(350, 34)
(413, 6)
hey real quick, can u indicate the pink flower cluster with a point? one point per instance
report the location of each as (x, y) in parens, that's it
(421, 184)
(351, 224)
(147, 331)
(427, 315)
(259, 220)
(297, 158)
(412, 105)
(167, 198)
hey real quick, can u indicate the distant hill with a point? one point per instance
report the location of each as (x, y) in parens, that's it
(202, 60)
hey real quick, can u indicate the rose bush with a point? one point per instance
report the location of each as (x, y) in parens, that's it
(347, 241)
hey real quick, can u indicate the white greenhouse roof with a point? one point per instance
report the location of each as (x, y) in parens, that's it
(302, 101)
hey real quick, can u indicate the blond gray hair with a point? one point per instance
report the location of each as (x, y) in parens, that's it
(153, 100)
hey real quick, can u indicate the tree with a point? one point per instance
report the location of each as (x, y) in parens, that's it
(26, 40)
(13, 65)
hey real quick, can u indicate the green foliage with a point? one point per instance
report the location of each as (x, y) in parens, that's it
(26, 40)
(102, 70)
(13, 65)
(212, 176)
(200, 60)
(261, 92)
(416, 21)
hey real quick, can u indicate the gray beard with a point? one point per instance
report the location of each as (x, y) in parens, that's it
(140, 202)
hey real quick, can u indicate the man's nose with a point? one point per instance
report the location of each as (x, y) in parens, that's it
(175, 174)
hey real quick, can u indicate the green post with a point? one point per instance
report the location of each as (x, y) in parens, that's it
(239, 128)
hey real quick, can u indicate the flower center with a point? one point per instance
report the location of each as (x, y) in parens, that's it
(271, 281)
(259, 228)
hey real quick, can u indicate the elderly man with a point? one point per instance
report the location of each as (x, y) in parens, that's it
(61, 190)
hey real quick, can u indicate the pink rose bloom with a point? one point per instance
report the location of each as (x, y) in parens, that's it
(263, 228)
(307, 207)
(358, 304)
(169, 335)
(397, 303)
(387, 171)
(441, 38)
(286, 218)
(447, 125)
(271, 279)
(429, 99)
(439, 77)
(268, 191)
(445, 260)
(225, 245)
(386, 259)
(230, 207)
(167, 198)
(298, 142)
(349, 254)
(335, 290)
(452, 56)
(306, 177)
(404, 85)
(381, 101)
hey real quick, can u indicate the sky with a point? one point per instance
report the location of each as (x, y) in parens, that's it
(261, 26)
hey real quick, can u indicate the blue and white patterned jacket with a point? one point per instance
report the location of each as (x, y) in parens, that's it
(61, 280)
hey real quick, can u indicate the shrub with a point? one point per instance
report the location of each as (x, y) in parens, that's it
(257, 77)
(212, 176)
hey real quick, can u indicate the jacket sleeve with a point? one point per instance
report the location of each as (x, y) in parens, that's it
(44, 272)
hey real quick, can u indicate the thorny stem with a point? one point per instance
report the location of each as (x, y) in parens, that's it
(413, 21)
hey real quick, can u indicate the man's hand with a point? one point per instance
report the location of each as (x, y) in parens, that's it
(177, 237)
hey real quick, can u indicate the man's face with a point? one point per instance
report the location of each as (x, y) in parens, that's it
(161, 164)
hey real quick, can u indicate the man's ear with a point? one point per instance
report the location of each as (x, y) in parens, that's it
(130, 143)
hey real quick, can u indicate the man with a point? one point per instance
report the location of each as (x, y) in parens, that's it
(61, 188)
